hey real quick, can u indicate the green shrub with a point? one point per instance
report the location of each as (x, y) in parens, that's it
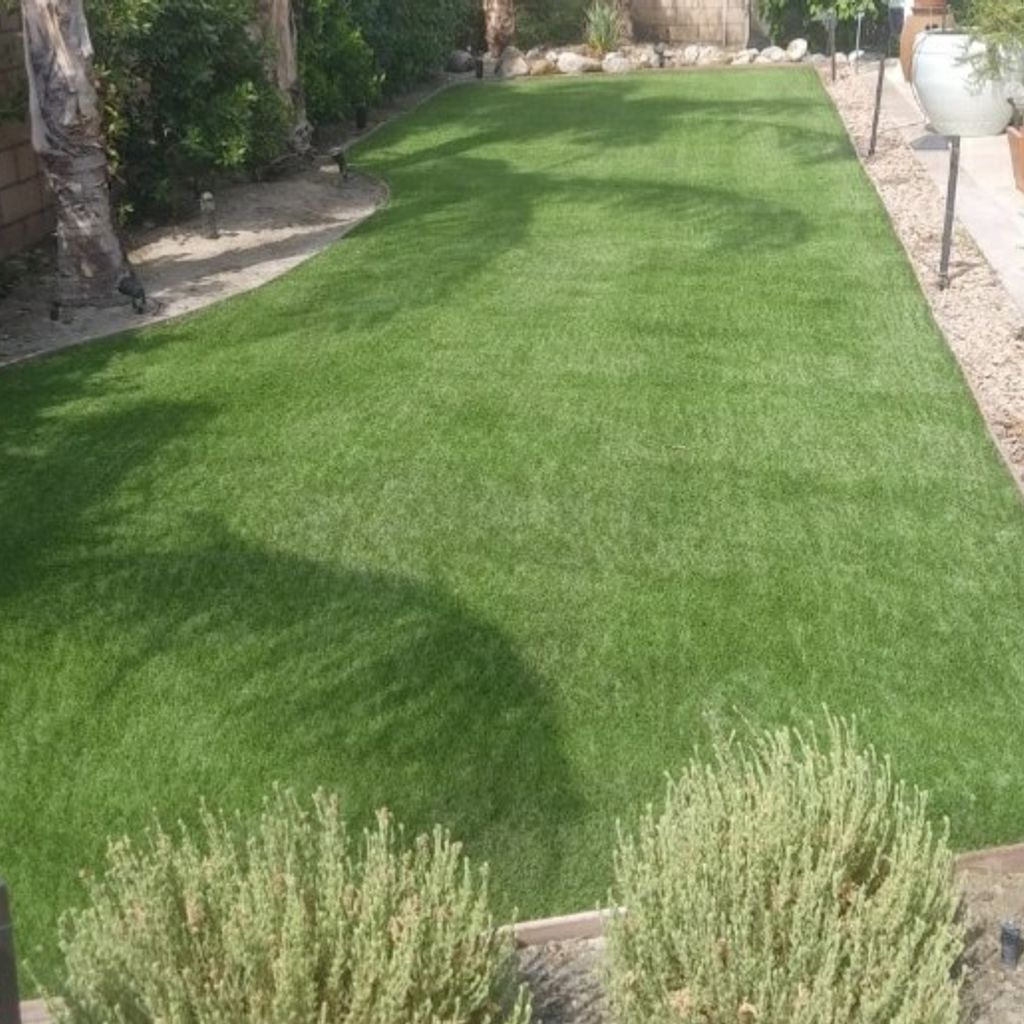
(337, 66)
(412, 39)
(603, 26)
(185, 95)
(288, 925)
(549, 22)
(786, 882)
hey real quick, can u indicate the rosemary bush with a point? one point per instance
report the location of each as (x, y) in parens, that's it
(293, 923)
(786, 881)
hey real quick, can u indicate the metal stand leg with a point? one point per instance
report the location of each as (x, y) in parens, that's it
(947, 233)
(10, 1010)
(832, 43)
(878, 94)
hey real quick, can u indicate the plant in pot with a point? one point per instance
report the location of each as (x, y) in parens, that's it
(960, 80)
(999, 25)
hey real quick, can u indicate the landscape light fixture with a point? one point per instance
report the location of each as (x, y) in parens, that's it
(893, 28)
(1009, 944)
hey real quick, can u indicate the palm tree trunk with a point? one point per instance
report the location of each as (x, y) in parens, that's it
(281, 32)
(66, 133)
(500, 23)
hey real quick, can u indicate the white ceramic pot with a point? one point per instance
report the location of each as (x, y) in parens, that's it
(954, 97)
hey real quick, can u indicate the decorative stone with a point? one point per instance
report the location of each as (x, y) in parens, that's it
(535, 53)
(818, 58)
(710, 55)
(744, 57)
(688, 55)
(572, 63)
(773, 55)
(512, 64)
(842, 60)
(797, 50)
(461, 61)
(645, 55)
(617, 64)
(541, 66)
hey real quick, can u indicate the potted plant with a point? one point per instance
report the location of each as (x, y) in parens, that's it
(957, 84)
(999, 24)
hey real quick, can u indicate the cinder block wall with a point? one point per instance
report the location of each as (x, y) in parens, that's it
(721, 22)
(26, 212)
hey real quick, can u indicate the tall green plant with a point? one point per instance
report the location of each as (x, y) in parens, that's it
(185, 95)
(603, 26)
(786, 881)
(290, 922)
(337, 65)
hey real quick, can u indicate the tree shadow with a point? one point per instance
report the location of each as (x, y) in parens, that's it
(221, 664)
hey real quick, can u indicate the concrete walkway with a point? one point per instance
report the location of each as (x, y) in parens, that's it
(988, 204)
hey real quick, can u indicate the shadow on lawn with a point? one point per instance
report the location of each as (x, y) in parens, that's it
(220, 666)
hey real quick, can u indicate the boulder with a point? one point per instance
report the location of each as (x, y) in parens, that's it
(645, 55)
(710, 55)
(512, 64)
(842, 60)
(818, 58)
(797, 50)
(536, 52)
(688, 55)
(745, 57)
(541, 66)
(772, 55)
(461, 61)
(618, 64)
(570, 63)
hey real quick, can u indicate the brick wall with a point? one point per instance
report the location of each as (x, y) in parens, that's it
(722, 22)
(26, 214)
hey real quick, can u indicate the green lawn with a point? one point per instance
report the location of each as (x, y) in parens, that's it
(628, 409)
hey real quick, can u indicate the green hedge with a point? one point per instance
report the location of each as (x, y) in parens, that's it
(185, 95)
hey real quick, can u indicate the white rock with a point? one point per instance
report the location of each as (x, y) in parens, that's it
(855, 56)
(710, 55)
(551, 55)
(461, 61)
(618, 64)
(570, 63)
(645, 55)
(773, 55)
(842, 59)
(512, 64)
(818, 58)
(744, 57)
(541, 66)
(536, 52)
(688, 55)
(796, 50)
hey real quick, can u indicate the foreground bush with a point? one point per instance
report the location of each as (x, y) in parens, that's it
(786, 883)
(289, 925)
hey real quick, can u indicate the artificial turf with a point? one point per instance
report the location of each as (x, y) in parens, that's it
(627, 409)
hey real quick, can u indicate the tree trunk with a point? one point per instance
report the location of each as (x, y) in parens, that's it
(66, 133)
(281, 32)
(500, 20)
(626, 17)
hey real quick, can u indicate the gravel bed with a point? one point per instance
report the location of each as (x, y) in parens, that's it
(565, 977)
(982, 323)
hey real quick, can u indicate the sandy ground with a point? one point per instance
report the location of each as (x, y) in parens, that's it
(982, 323)
(265, 229)
(565, 977)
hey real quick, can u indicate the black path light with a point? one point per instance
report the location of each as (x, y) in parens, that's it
(893, 28)
(10, 1009)
(830, 20)
(1010, 944)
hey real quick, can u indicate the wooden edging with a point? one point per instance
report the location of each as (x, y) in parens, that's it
(591, 924)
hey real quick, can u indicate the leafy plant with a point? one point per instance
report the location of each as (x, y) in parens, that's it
(787, 19)
(786, 881)
(549, 22)
(337, 66)
(603, 26)
(185, 95)
(1000, 25)
(287, 924)
(412, 38)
